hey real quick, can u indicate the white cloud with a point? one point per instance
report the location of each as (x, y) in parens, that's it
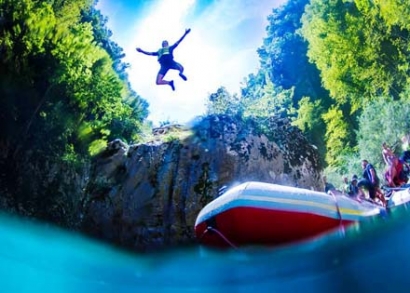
(211, 53)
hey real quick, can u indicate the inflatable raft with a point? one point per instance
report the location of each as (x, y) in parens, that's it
(398, 196)
(269, 214)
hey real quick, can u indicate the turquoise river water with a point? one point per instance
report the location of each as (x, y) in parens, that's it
(369, 257)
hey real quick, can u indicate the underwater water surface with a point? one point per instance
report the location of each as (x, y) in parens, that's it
(372, 256)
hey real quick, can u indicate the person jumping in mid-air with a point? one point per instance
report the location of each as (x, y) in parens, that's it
(166, 60)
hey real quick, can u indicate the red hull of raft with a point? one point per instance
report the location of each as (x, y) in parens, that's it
(256, 213)
(247, 225)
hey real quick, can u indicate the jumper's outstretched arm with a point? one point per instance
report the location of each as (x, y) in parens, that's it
(183, 36)
(146, 53)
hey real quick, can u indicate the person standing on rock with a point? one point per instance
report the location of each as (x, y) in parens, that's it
(371, 182)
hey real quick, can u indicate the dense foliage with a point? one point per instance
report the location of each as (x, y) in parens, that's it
(362, 52)
(57, 80)
(63, 88)
(385, 120)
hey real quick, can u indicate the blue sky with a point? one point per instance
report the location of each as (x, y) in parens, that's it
(219, 51)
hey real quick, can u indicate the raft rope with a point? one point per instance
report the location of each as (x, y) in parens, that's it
(339, 213)
(211, 229)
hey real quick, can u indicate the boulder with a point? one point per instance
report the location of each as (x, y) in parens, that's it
(147, 196)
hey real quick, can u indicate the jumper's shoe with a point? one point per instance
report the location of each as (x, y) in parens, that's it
(182, 76)
(171, 84)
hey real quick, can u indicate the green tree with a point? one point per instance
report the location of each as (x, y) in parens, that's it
(285, 68)
(395, 13)
(222, 102)
(62, 98)
(68, 12)
(360, 54)
(284, 54)
(65, 73)
(309, 119)
(336, 133)
(383, 120)
(102, 37)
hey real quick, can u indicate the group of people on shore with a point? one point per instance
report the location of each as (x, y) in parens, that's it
(395, 176)
(353, 188)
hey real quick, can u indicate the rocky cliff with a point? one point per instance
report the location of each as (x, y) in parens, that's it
(147, 196)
